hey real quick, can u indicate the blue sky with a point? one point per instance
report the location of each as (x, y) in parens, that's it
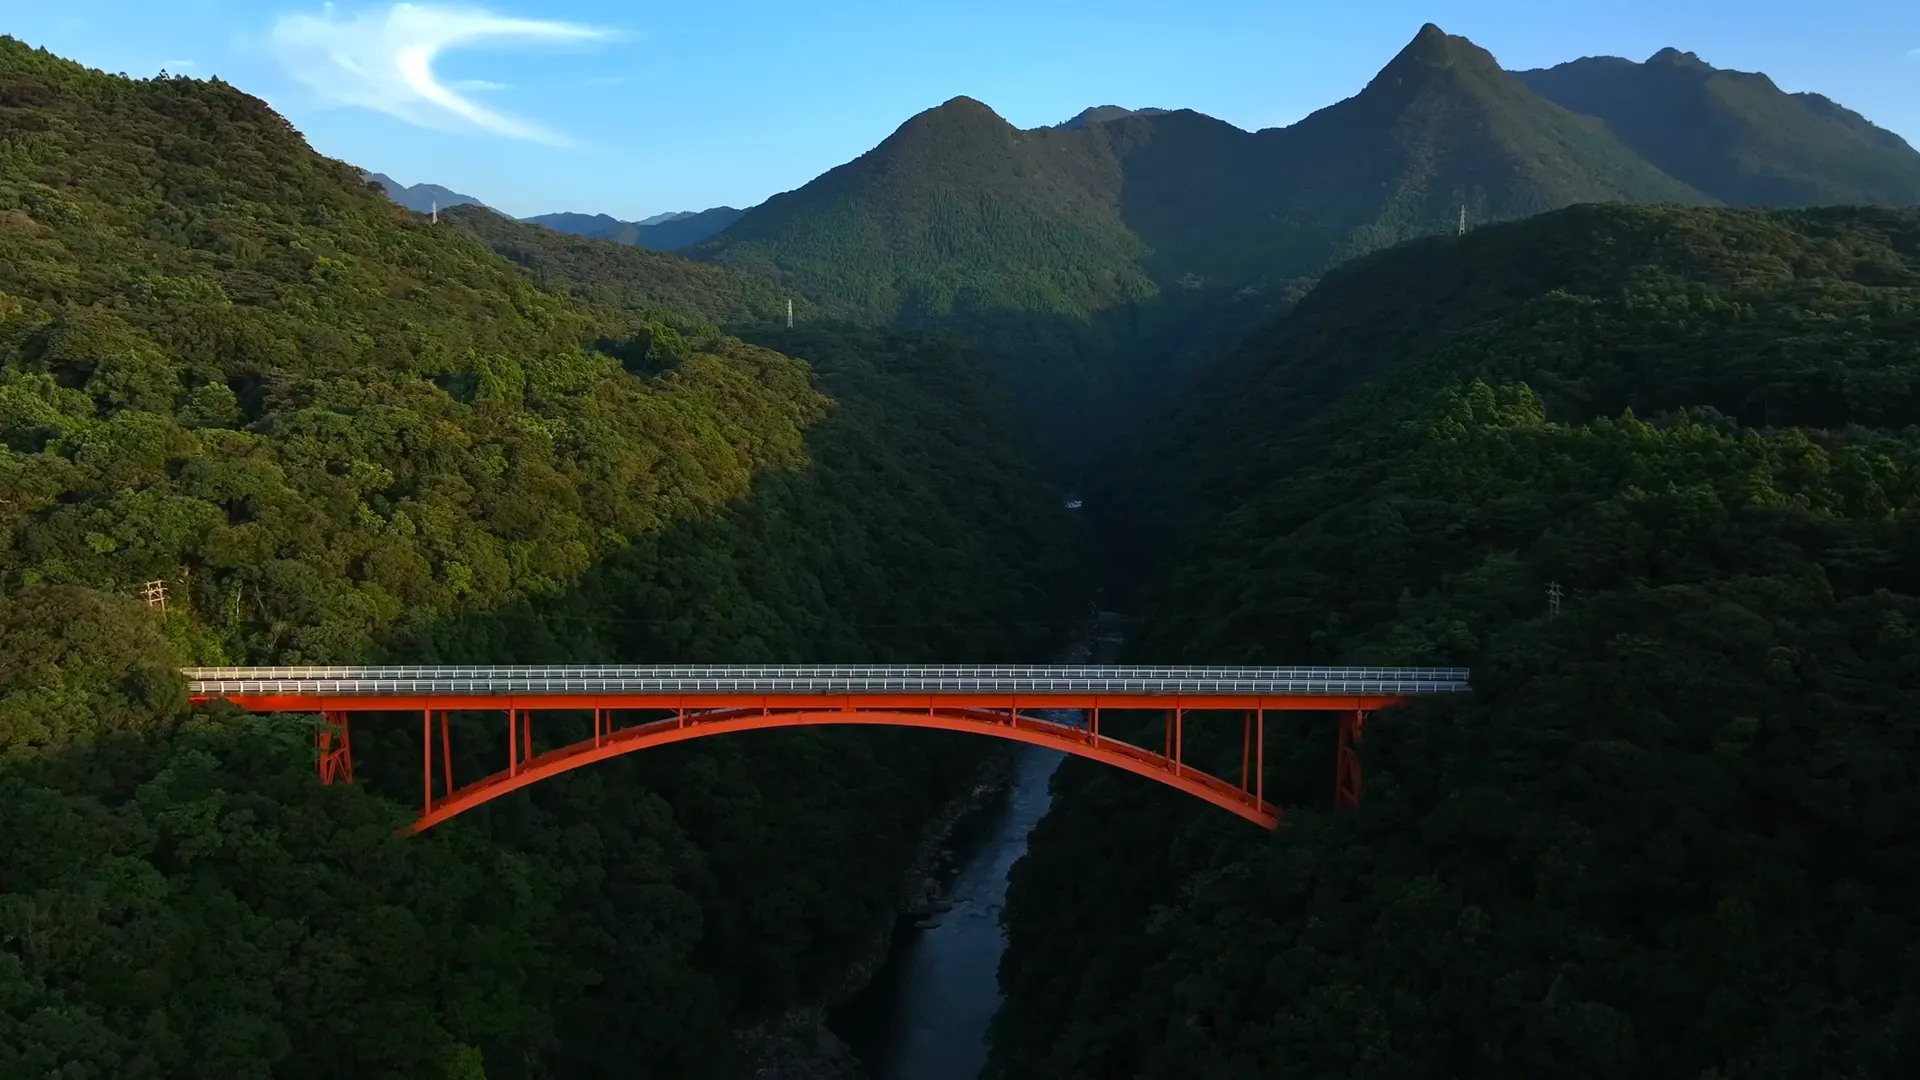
(634, 108)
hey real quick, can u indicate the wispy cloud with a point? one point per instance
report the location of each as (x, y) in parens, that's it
(384, 60)
(480, 84)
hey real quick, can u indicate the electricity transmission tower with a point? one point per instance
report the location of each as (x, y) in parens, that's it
(1463, 219)
(789, 314)
(1553, 599)
(156, 594)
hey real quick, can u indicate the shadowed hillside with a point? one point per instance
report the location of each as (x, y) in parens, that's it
(1653, 474)
(336, 432)
(1734, 134)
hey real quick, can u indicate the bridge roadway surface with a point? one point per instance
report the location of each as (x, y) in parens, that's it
(1028, 683)
(709, 700)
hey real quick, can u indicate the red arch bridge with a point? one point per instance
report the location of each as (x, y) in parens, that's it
(678, 703)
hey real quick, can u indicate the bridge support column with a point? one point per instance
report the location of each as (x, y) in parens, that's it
(426, 762)
(334, 748)
(1246, 747)
(1259, 755)
(1347, 781)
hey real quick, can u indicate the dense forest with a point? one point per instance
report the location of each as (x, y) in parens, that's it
(1675, 831)
(1102, 262)
(336, 432)
(1652, 473)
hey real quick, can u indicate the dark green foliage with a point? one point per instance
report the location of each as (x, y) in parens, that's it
(1673, 831)
(615, 275)
(1083, 257)
(1599, 308)
(1079, 256)
(337, 432)
(1734, 134)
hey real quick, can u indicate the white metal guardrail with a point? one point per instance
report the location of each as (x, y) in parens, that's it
(617, 679)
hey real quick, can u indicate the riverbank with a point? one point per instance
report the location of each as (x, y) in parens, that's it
(796, 1045)
(925, 1015)
(1005, 800)
(927, 1012)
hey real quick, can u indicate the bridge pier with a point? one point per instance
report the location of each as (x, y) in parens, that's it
(334, 748)
(426, 758)
(1347, 780)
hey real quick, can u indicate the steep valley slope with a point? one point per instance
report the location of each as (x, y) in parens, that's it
(1653, 474)
(335, 431)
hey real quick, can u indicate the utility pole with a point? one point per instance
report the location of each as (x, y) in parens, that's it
(156, 594)
(1553, 599)
(789, 314)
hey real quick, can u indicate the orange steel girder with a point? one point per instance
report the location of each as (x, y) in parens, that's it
(696, 716)
(1347, 780)
(333, 747)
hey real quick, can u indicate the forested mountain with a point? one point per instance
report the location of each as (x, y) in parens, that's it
(1674, 831)
(662, 232)
(420, 198)
(1734, 134)
(339, 432)
(1085, 257)
(615, 275)
(1100, 114)
(687, 228)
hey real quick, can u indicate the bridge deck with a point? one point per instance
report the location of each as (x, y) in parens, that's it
(1037, 681)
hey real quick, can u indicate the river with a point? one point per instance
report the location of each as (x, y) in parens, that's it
(925, 1014)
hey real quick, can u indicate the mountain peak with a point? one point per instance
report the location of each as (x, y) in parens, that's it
(1432, 49)
(1672, 57)
(954, 116)
(962, 105)
(1431, 44)
(957, 122)
(1100, 114)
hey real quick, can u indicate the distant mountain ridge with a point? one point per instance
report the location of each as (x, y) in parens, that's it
(420, 198)
(661, 232)
(1055, 246)
(1100, 114)
(1735, 134)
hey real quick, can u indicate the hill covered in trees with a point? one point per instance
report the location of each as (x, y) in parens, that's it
(1672, 832)
(1736, 135)
(1102, 260)
(339, 432)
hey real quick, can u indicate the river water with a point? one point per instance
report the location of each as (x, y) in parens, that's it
(925, 1014)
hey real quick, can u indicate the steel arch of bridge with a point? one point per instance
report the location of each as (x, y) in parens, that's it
(703, 701)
